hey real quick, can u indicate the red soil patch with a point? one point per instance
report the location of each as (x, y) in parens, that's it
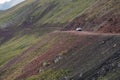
(111, 26)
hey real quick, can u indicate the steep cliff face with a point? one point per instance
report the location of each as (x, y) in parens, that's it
(38, 40)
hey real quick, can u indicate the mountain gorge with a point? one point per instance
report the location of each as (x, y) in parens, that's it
(38, 40)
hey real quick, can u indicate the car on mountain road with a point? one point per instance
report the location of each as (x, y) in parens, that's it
(78, 29)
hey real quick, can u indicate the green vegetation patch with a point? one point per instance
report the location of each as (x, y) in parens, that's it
(15, 46)
(50, 75)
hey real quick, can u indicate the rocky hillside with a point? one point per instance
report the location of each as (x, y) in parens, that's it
(103, 16)
(38, 40)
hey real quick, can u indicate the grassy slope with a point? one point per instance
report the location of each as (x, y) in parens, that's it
(46, 43)
(84, 58)
(11, 14)
(32, 8)
(100, 48)
(64, 11)
(15, 46)
(16, 16)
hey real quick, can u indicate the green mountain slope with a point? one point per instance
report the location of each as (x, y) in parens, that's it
(41, 12)
(27, 19)
(34, 47)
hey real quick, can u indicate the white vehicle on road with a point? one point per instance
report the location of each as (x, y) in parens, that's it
(78, 29)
